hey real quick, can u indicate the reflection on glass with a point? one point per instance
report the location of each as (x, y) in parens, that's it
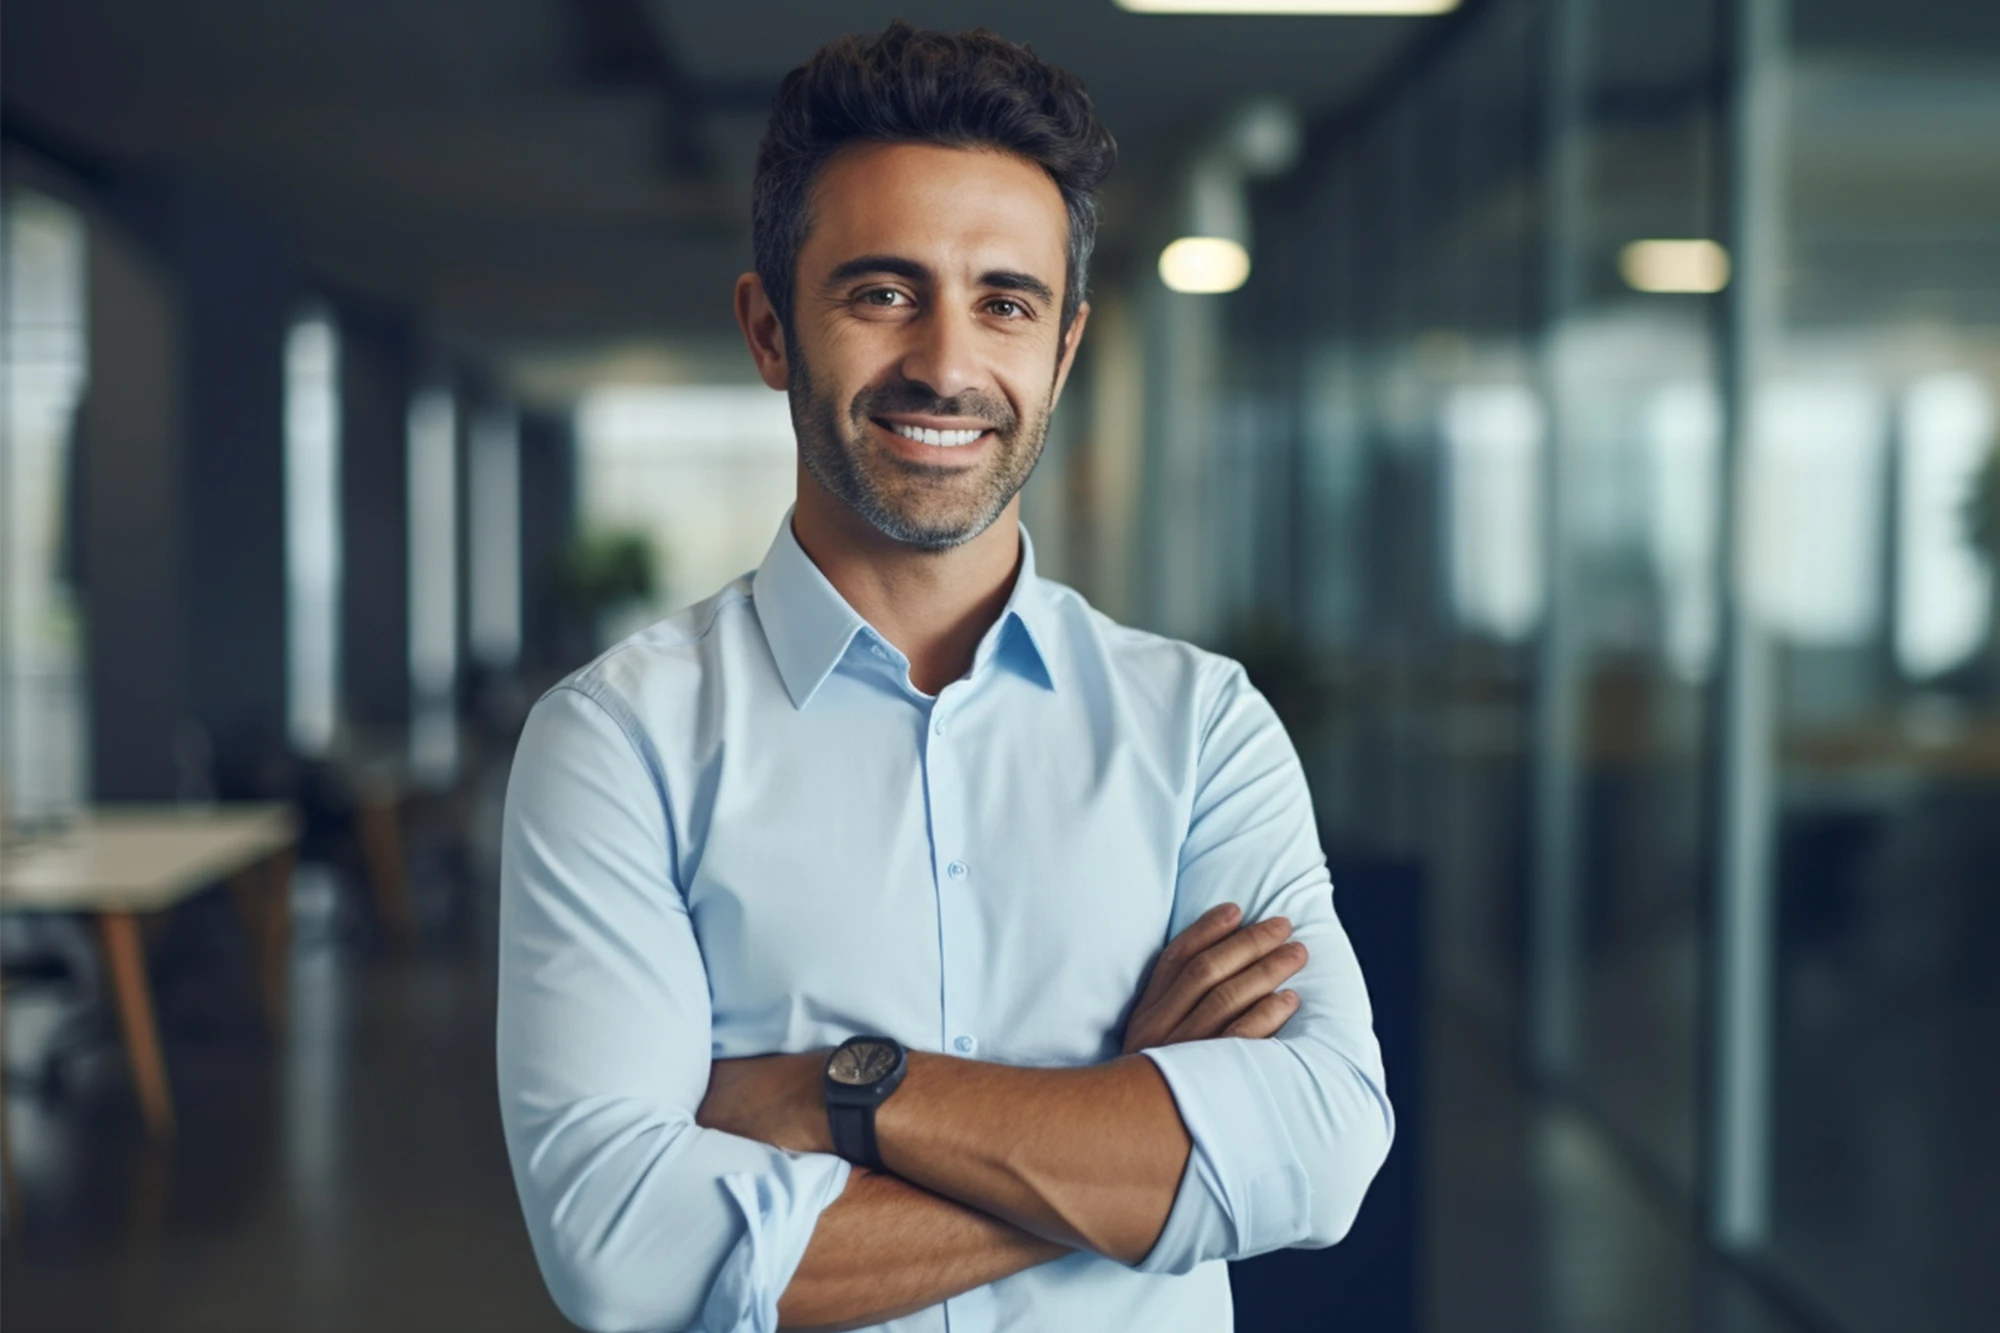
(1493, 442)
(1683, 428)
(1819, 454)
(1944, 597)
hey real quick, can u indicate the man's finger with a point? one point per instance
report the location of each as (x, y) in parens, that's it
(1266, 1016)
(1211, 927)
(1231, 999)
(1215, 965)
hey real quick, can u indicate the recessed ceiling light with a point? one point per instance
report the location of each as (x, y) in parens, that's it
(1204, 265)
(1403, 8)
(1692, 266)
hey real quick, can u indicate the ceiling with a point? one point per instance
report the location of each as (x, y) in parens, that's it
(564, 175)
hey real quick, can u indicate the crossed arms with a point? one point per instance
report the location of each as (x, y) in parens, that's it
(663, 1189)
(996, 1169)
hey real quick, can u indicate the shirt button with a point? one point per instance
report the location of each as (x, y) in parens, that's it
(956, 870)
(966, 1045)
(879, 651)
(938, 726)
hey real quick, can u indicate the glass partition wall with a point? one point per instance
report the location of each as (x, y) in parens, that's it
(1631, 372)
(1871, 710)
(1632, 363)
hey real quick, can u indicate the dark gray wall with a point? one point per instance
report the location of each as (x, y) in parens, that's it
(375, 382)
(240, 290)
(550, 642)
(134, 531)
(182, 472)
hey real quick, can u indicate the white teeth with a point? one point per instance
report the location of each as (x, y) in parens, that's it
(943, 439)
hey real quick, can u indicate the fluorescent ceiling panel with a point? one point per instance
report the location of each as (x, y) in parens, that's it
(1398, 8)
(1205, 265)
(1688, 266)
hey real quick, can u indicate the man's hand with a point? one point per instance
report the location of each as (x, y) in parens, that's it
(775, 1099)
(1214, 980)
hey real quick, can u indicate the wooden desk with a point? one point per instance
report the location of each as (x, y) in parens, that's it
(119, 864)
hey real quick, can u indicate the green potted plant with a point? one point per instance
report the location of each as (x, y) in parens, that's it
(608, 574)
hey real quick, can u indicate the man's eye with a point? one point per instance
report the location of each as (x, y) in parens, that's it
(883, 297)
(1006, 309)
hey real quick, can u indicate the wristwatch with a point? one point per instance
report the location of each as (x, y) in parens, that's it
(860, 1075)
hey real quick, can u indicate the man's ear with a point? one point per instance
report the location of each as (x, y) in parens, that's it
(763, 331)
(1067, 356)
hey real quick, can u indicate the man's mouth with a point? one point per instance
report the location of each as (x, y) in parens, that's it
(942, 439)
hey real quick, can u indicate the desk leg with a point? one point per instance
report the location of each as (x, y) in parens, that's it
(379, 822)
(264, 900)
(126, 954)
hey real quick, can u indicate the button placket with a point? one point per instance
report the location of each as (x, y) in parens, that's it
(961, 959)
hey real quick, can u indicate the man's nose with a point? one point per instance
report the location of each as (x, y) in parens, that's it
(942, 353)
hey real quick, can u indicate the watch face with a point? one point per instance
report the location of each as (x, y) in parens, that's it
(861, 1063)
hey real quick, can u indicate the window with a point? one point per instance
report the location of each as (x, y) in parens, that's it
(494, 482)
(312, 533)
(705, 471)
(43, 714)
(433, 498)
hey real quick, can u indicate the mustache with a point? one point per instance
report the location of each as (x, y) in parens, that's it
(920, 399)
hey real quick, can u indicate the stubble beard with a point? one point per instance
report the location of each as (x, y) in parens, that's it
(926, 508)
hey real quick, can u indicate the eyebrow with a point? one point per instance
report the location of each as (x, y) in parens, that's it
(1006, 280)
(865, 265)
(1009, 281)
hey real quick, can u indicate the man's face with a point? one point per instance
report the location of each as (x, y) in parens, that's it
(925, 353)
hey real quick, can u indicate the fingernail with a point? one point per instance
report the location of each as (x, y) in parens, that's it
(1291, 996)
(1228, 910)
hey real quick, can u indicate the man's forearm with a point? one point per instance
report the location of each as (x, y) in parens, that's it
(1091, 1157)
(887, 1248)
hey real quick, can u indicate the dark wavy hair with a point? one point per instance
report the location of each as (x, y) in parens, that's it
(908, 85)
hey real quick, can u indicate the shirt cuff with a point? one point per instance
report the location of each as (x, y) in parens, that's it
(780, 1209)
(1245, 1191)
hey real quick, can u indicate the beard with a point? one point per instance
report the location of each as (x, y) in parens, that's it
(930, 508)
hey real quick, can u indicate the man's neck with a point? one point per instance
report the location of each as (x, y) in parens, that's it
(934, 606)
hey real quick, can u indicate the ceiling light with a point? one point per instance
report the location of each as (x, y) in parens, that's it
(1674, 266)
(1204, 265)
(1353, 7)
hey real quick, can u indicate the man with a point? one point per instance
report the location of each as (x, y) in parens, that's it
(833, 990)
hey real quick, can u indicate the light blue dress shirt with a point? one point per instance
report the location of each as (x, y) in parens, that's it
(744, 831)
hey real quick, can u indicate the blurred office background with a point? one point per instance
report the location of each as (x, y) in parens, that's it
(1596, 465)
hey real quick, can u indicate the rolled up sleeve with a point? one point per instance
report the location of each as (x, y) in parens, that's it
(640, 1218)
(1287, 1132)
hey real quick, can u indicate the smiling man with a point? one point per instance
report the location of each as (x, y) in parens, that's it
(891, 940)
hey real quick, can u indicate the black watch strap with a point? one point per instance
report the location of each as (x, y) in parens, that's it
(854, 1134)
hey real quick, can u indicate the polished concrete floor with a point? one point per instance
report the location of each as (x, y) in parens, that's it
(1537, 1224)
(352, 1176)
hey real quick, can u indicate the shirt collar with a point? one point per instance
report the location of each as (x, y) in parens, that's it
(810, 626)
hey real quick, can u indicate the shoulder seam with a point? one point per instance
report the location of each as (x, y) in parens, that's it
(608, 702)
(727, 597)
